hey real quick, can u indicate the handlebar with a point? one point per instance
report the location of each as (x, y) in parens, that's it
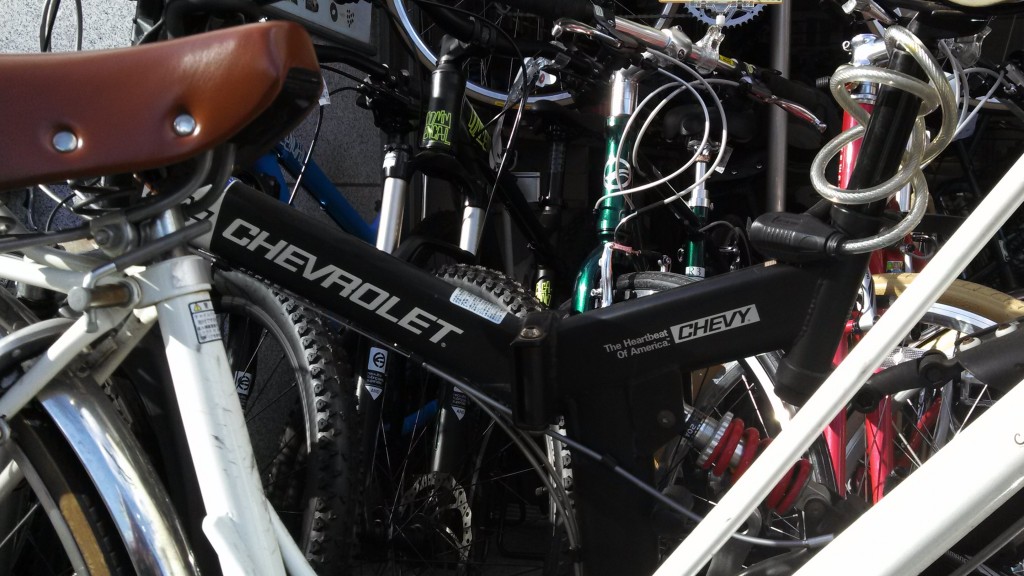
(337, 54)
(793, 97)
(577, 16)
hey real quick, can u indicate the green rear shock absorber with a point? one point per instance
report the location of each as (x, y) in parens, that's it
(609, 212)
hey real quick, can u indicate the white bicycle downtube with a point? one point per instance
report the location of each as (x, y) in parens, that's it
(237, 521)
(738, 503)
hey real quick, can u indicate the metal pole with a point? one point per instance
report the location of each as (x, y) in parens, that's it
(781, 18)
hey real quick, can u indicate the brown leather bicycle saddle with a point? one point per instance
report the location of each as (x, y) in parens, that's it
(116, 109)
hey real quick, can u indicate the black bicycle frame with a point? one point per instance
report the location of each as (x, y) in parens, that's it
(617, 373)
(620, 369)
(752, 310)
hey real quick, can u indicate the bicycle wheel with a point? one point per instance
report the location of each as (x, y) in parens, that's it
(744, 390)
(490, 77)
(737, 393)
(53, 522)
(444, 510)
(963, 309)
(52, 519)
(289, 376)
(908, 428)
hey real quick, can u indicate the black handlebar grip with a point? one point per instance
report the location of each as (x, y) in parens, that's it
(331, 54)
(476, 30)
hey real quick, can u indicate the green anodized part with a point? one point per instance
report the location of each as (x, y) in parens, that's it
(587, 280)
(695, 248)
(609, 213)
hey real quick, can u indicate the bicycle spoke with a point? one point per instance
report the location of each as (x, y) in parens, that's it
(274, 400)
(974, 405)
(753, 402)
(905, 447)
(19, 525)
(254, 400)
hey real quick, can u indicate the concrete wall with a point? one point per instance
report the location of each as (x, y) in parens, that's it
(106, 24)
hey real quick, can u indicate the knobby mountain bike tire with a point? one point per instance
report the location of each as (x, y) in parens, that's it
(294, 382)
(298, 418)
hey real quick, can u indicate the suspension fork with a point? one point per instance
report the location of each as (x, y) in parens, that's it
(551, 211)
(397, 173)
(623, 101)
(700, 203)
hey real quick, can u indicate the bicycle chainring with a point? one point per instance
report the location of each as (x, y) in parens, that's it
(736, 13)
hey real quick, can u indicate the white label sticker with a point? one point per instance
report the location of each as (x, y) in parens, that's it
(325, 93)
(373, 389)
(376, 365)
(378, 361)
(204, 320)
(459, 402)
(243, 383)
(478, 306)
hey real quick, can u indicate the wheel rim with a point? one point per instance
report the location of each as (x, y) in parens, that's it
(42, 513)
(496, 96)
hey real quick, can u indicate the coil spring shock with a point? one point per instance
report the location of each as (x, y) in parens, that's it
(920, 151)
(731, 445)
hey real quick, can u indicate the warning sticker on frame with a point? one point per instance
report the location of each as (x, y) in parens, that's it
(376, 366)
(478, 306)
(204, 320)
(459, 402)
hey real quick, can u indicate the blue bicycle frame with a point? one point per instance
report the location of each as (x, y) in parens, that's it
(319, 185)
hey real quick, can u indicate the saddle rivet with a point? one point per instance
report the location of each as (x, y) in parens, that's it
(184, 125)
(65, 141)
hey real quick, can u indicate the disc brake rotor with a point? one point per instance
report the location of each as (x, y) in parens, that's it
(438, 495)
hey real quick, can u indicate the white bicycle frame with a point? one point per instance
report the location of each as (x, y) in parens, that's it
(906, 530)
(242, 527)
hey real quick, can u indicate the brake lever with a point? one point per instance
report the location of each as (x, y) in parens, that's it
(563, 25)
(762, 94)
